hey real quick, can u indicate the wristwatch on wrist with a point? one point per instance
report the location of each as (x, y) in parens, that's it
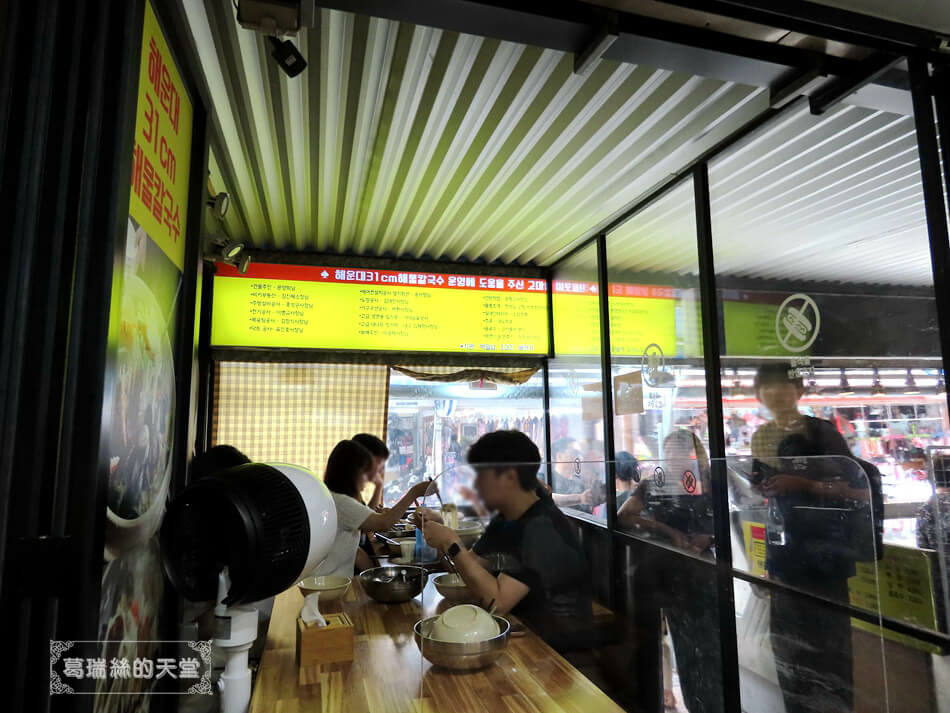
(453, 550)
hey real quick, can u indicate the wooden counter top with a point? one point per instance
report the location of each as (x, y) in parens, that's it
(389, 675)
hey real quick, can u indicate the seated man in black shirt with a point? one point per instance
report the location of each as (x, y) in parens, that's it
(529, 561)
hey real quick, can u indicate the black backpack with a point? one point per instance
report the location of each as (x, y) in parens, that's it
(857, 535)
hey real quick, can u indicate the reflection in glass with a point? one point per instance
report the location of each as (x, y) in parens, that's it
(672, 502)
(576, 386)
(831, 400)
(431, 425)
(933, 531)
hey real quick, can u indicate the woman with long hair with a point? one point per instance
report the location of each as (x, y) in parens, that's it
(349, 469)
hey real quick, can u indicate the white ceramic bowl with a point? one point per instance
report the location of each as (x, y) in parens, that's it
(453, 588)
(469, 531)
(330, 586)
(463, 624)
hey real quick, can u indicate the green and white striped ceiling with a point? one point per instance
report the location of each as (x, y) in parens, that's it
(408, 141)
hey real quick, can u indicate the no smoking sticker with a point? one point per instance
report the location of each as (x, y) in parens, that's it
(689, 482)
(797, 322)
(659, 476)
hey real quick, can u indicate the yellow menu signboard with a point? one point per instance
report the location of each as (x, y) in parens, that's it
(640, 315)
(161, 158)
(899, 586)
(306, 307)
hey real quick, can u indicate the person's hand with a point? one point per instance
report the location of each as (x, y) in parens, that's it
(679, 539)
(587, 497)
(377, 479)
(467, 493)
(786, 484)
(426, 514)
(700, 543)
(420, 490)
(440, 536)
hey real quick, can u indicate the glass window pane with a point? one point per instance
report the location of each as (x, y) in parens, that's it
(658, 376)
(576, 388)
(833, 396)
(432, 425)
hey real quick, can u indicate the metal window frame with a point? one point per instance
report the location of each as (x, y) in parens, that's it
(931, 97)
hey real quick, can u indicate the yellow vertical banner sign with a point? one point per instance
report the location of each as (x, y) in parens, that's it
(162, 152)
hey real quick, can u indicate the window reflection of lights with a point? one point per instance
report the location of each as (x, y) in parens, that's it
(910, 385)
(846, 389)
(877, 388)
(812, 389)
(941, 384)
(737, 390)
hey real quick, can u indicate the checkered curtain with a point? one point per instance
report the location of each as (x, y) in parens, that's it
(296, 413)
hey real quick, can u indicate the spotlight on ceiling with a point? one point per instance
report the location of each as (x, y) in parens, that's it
(220, 204)
(220, 248)
(910, 386)
(232, 249)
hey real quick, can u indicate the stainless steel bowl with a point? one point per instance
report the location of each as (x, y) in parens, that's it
(461, 657)
(392, 583)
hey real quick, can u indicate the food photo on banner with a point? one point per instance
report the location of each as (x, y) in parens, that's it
(147, 294)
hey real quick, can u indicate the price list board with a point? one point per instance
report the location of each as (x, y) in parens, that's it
(307, 307)
(640, 315)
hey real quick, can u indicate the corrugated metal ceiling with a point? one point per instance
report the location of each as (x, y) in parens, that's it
(834, 198)
(409, 141)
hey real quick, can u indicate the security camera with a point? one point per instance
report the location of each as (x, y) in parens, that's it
(220, 204)
(287, 56)
(277, 19)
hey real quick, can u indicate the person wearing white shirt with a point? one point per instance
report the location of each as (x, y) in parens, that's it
(349, 469)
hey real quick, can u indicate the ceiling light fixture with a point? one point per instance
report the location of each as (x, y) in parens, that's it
(220, 248)
(232, 249)
(219, 204)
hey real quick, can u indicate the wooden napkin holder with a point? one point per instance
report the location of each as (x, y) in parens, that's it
(332, 643)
